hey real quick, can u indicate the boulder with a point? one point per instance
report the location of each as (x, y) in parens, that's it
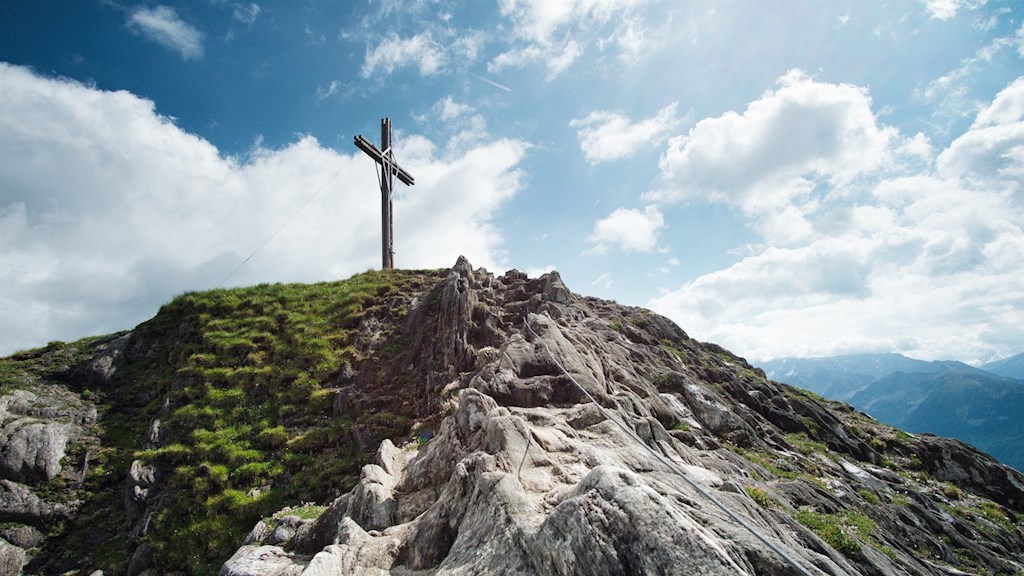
(612, 522)
(100, 370)
(141, 560)
(33, 450)
(356, 553)
(12, 559)
(19, 503)
(22, 536)
(262, 561)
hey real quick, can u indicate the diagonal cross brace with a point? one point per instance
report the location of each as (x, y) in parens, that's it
(388, 170)
(372, 151)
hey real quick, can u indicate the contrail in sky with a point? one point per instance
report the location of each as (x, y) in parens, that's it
(492, 83)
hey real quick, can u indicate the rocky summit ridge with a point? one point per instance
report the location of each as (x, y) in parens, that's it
(441, 425)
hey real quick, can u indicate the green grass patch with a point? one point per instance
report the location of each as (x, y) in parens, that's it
(869, 496)
(775, 466)
(804, 445)
(247, 376)
(306, 511)
(994, 513)
(682, 426)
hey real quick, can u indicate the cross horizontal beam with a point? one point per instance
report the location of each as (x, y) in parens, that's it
(371, 150)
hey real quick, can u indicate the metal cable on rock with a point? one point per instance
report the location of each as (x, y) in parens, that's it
(671, 466)
(526, 451)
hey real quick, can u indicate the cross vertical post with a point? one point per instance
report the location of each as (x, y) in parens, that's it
(386, 183)
(385, 158)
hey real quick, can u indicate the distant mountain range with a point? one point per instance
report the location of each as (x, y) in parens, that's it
(983, 406)
(1012, 367)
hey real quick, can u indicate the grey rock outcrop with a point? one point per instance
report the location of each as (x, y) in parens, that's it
(36, 431)
(525, 475)
(100, 370)
(40, 423)
(18, 502)
(261, 560)
(33, 449)
(22, 536)
(519, 429)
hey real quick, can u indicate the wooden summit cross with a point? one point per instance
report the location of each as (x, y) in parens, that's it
(385, 157)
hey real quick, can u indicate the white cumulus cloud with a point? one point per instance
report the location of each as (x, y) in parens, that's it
(141, 210)
(770, 159)
(939, 249)
(992, 150)
(803, 130)
(629, 229)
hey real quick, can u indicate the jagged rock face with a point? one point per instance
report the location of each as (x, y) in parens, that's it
(35, 434)
(500, 462)
(524, 475)
(36, 430)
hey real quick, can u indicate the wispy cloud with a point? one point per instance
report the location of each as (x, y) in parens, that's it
(465, 126)
(947, 9)
(324, 92)
(492, 83)
(393, 52)
(557, 33)
(604, 281)
(245, 13)
(953, 93)
(162, 25)
(607, 135)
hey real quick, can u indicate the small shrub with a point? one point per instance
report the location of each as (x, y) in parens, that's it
(766, 462)
(763, 499)
(831, 529)
(869, 496)
(813, 429)
(321, 401)
(950, 491)
(272, 438)
(864, 526)
(890, 553)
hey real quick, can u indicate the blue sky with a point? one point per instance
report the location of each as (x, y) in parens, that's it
(790, 178)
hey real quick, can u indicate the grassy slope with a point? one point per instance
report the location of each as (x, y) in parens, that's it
(243, 381)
